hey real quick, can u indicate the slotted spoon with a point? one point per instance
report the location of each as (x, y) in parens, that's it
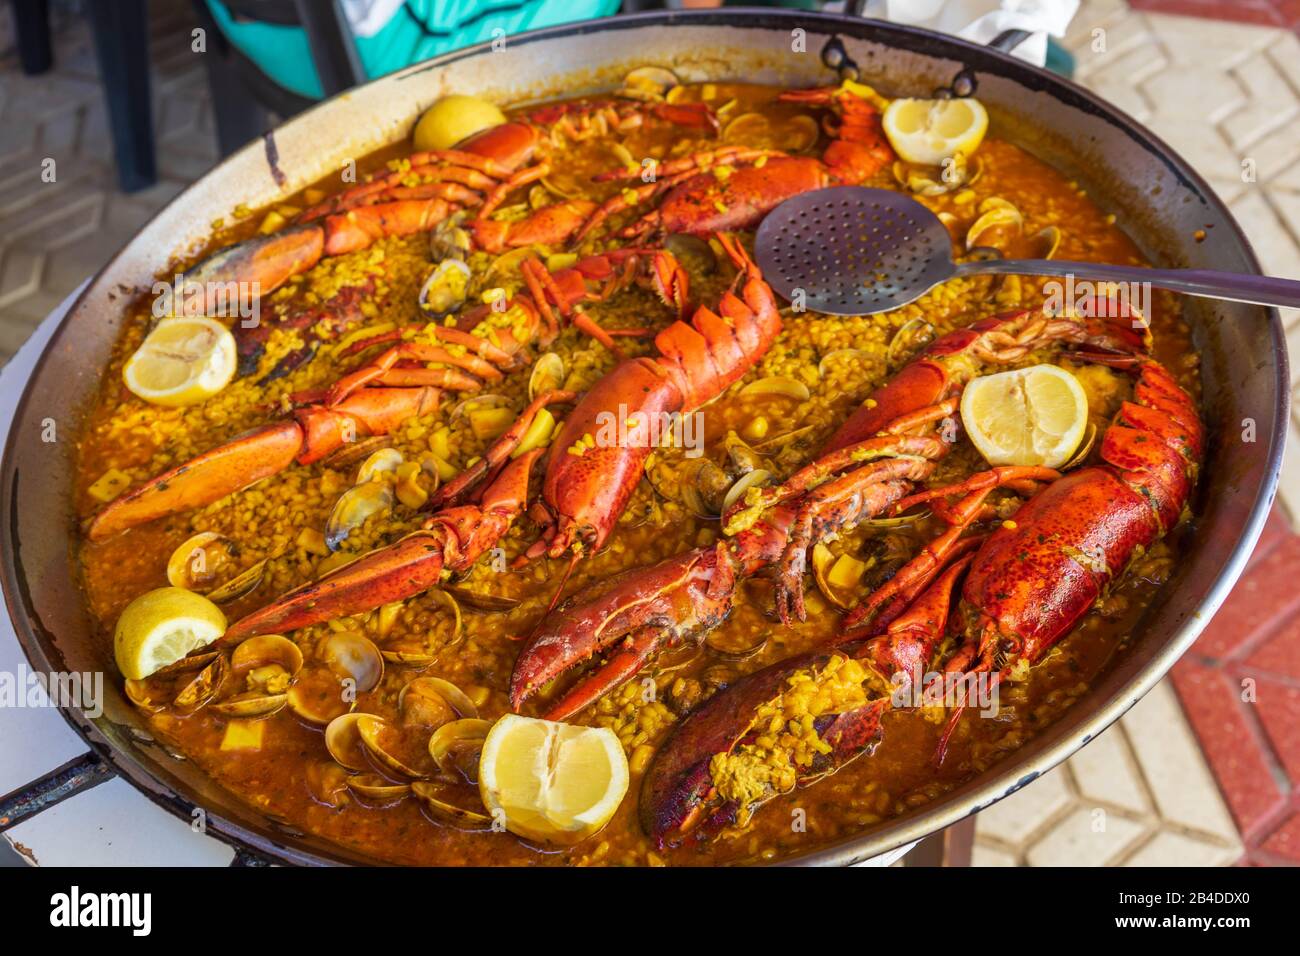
(851, 250)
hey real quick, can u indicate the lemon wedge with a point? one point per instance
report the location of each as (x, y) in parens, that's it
(930, 131)
(455, 118)
(160, 627)
(181, 362)
(549, 781)
(1029, 416)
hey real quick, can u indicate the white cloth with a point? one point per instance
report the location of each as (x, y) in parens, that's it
(981, 20)
(367, 17)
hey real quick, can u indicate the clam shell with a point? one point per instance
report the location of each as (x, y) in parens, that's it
(445, 689)
(197, 563)
(548, 374)
(430, 797)
(251, 704)
(353, 508)
(446, 288)
(204, 687)
(382, 741)
(449, 735)
(353, 656)
(378, 790)
(379, 462)
(743, 484)
(317, 696)
(648, 83)
(343, 741)
(242, 584)
(777, 385)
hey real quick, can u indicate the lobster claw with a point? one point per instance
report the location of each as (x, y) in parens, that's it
(652, 608)
(679, 794)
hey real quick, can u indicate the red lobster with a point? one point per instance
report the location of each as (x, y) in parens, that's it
(396, 385)
(477, 175)
(587, 485)
(870, 463)
(1022, 588)
(705, 193)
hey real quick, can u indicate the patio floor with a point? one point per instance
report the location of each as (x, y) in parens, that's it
(1205, 769)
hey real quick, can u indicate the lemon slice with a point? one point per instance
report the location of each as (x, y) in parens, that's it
(552, 782)
(455, 118)
(1030, 416)
(160, 627)
(182, 361)
(930, 131)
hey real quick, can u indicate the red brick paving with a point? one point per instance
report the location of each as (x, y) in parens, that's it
(1273, 13)
(1240, 688)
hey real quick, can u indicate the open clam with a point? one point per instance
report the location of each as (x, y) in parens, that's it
(379, 462)
(318, 696)
(201, 561)
(548, 373)
(648, 83)
(454, 738)
(446, 288)
(376, 789)
(998, 223)
(391, 749)
(431, 797)
(343, 741)
(265, 666)
(204, 686)
(433, 702)
(353, 508)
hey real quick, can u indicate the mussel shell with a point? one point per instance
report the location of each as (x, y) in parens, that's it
(204, 687)
(353, 508)
(446, 738)
(446, 288)
(251, 704)
(378, 790)
(343, 741)
(382, 741)
(197, 563)
(191, 662)
(354, 656)
(430, 796)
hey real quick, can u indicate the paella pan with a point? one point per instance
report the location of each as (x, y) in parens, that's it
(518, 521)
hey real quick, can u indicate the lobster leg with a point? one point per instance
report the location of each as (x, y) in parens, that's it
(450, 541)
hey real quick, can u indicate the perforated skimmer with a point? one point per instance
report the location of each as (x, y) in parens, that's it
(852, 250)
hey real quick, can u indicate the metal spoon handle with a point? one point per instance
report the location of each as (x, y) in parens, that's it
(1259, 290)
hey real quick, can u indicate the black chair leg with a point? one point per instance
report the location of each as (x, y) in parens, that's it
(32, 27)
(121, 31)
(239, 117)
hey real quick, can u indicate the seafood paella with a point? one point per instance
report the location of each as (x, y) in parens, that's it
(485, 505)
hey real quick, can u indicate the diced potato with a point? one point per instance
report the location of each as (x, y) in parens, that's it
(109, 485)
(243, 735)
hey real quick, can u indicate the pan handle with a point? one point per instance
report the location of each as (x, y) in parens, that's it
(75, 776)
(835, 57)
